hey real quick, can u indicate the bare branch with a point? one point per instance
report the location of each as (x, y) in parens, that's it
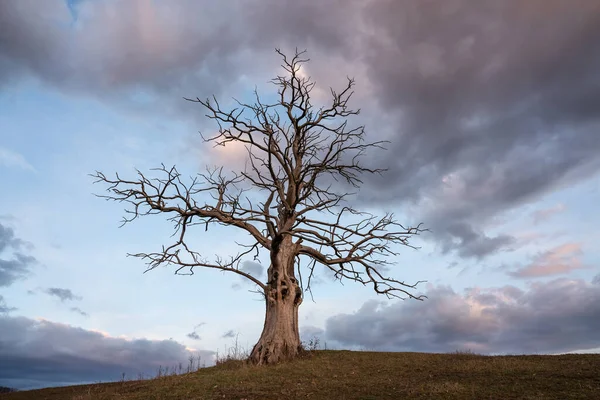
(288, 198)
(172, 196)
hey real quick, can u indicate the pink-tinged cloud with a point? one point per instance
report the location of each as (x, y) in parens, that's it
(561, 315)
(559, 260)
(543, 215)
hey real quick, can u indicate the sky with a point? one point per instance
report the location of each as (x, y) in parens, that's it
(491, 110)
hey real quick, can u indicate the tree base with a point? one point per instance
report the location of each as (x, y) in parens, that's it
(274, 352)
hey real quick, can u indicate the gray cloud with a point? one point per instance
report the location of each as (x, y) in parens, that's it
(194, 334)
(205, 47)
(489, 105)
(4, 309)
(79, 311)
(164, 50)
(8, 239)
(558, 316)
(34, 354)
(308, 332)
(17, 265)
(16, 268)
(494, 105)
(62, 294)
(472, 243)
(253, 268)
(229, 334)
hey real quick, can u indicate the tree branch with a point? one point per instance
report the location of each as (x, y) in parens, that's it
(301, 160)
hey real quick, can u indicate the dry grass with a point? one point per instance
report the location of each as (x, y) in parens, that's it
(365, 376)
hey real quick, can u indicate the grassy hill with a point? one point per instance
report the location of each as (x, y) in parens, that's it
(363, 375)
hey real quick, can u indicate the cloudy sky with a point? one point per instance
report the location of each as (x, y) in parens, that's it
(491, 109)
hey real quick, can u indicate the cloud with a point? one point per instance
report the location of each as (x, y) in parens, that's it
(10, 159)
(62, 294)
(39, 353)
(79, 311)
(128, 61)
(8, 239)
(229, 334)
(471, 243)
(15, 268)
(18, 265)
(491, 113)
(488, 106)
(308, 332)
(194, 36)
(4, 309)
(559, 260)
(557, 316)
(194, 334)
(253, 268)
(543, 215)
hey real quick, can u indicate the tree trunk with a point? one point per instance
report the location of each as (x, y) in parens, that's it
(280, 338)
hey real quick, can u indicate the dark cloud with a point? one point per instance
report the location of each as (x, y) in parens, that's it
(471, 243)
(489, 105)
(194, 334)
(15, 268)
(36, 354)
(162, 51)
(31, 41)
(206, 47)
(8, 239)
(16, 265)
(559, 260)
(229, 334)
(558, 316)
(494, 105)
(62, 294)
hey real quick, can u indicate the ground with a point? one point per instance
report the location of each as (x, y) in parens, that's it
(365, 376)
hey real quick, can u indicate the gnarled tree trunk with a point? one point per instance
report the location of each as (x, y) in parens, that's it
(280, 339)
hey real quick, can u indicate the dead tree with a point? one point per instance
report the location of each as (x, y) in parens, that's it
(299, 159)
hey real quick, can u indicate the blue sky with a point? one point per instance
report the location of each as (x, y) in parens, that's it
(494, 147)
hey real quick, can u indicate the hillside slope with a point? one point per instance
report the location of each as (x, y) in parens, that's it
(363, 375)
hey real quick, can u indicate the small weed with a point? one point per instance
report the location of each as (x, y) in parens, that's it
(313, 344)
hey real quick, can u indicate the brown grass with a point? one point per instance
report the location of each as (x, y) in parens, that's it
(365, 376)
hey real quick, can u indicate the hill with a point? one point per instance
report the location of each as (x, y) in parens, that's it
(365, 376)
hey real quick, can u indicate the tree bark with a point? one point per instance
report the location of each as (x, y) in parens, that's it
(280, 338)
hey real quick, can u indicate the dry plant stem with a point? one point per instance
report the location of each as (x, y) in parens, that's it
(296, 155)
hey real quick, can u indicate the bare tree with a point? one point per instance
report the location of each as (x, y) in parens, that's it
(298, 159)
